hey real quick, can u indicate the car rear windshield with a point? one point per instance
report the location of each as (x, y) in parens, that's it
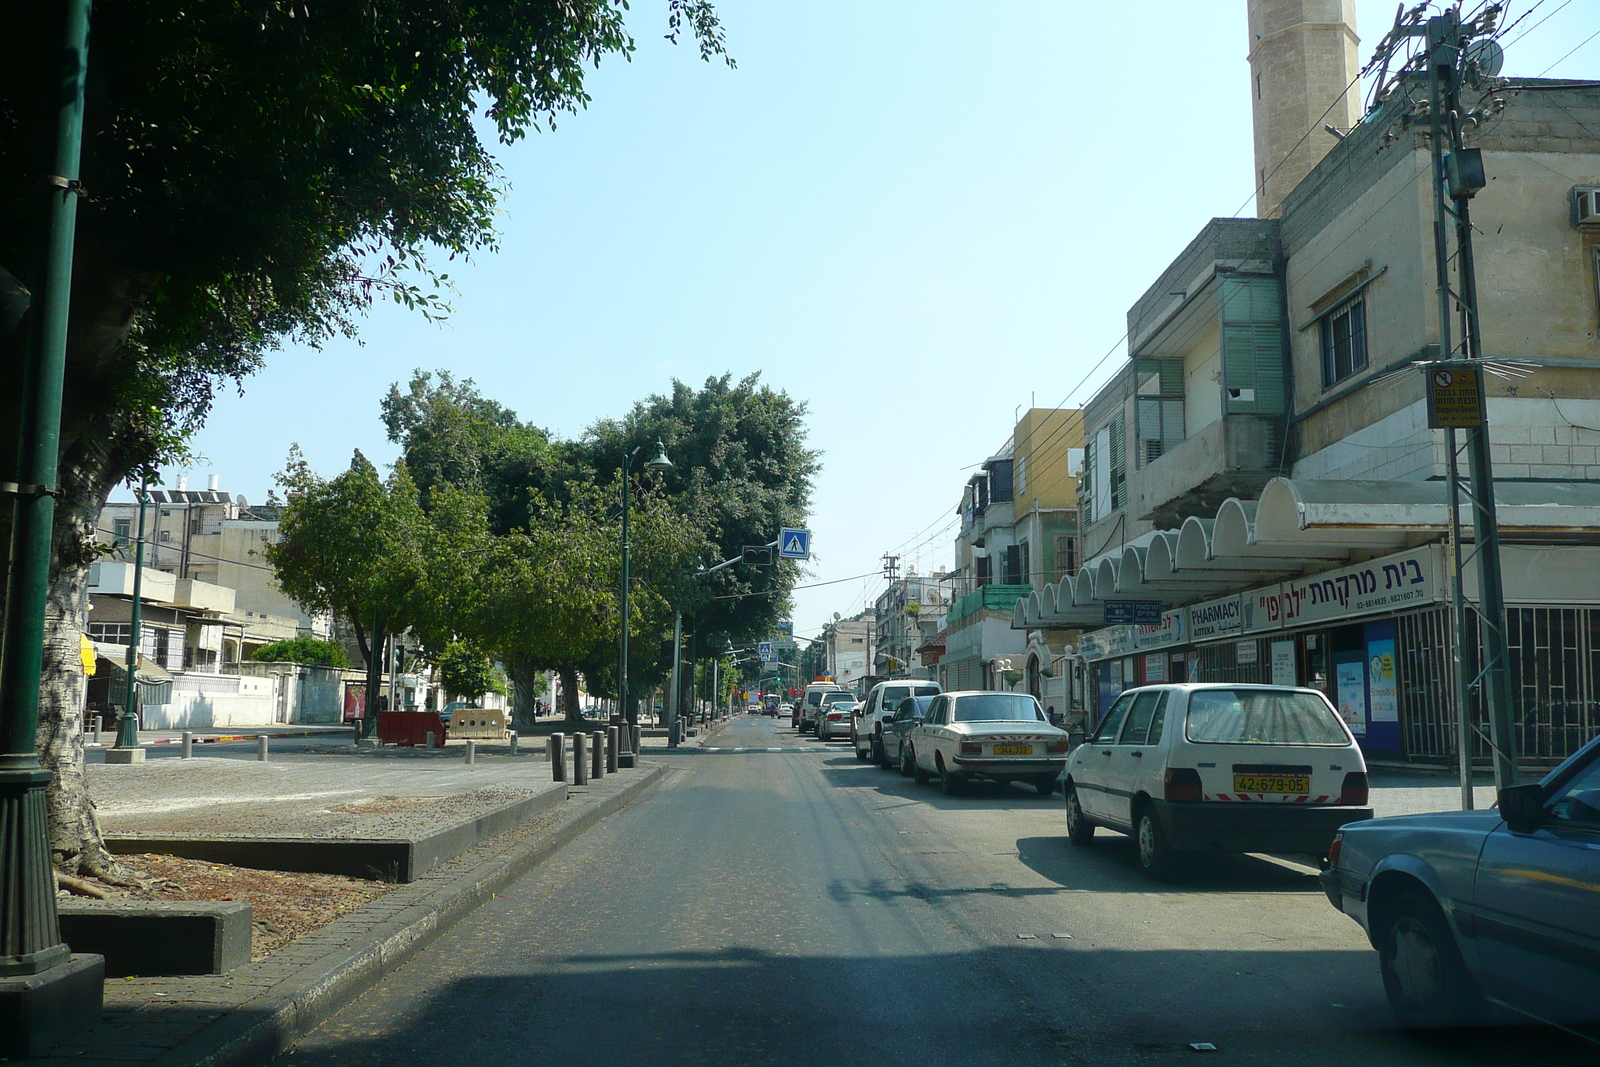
(1262, 717)
(828, 698)
(997, 707)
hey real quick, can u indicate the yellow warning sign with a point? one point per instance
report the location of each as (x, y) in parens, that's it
(1455, 395)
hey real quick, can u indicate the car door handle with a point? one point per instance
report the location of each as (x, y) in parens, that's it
(1136, 754)
(1105, 752)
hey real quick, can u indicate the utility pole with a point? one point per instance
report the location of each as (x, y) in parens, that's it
(67, 996)
(1457, 177)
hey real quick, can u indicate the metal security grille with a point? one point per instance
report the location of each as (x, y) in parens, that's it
(1555, 666)
(1220, 663)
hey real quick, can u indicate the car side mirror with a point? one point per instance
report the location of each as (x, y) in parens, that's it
(916, 720)
(1522, 807)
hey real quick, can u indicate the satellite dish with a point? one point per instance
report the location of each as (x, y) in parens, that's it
(1488, 55)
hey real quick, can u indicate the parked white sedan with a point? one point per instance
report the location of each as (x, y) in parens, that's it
(1000, 737)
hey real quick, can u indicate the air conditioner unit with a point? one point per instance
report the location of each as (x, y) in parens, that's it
(1587, 201)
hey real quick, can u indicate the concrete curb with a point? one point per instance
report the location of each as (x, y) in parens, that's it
(254, 1032)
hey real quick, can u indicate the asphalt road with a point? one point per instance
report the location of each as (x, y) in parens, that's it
(799, 906)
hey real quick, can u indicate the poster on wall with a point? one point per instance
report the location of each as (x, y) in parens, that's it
(1283, 672)
(1155, 667)
(1384, 688)
(1246, 652)
(1352, 682)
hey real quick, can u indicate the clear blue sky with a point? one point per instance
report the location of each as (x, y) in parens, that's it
(917, 216)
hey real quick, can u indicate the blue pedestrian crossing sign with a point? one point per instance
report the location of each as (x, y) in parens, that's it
(794, 544)
(764, 650)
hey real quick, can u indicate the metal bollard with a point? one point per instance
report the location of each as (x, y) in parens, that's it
(188, 744)
(612, 736)
(597, 758)
(429, 742)
(511, 736)
(634, 739)
(472, 753)
(261, 748)
(97, 729)
(580, 759)
(558, 757)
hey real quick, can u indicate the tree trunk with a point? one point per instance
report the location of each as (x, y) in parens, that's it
(525, 692)
(76, 844)
(569, 694)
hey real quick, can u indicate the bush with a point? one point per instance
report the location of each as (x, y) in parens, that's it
(303, 650)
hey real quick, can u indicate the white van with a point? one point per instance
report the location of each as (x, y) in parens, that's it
(866, 727)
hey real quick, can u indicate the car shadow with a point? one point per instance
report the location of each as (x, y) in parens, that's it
(1111, 864)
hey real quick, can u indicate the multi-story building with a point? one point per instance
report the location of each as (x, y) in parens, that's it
(906, 616)
(216, 539)
(848, 646)
(1019, 531)
(1262, 472)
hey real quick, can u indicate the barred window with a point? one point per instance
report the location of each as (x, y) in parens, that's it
(1344, 341)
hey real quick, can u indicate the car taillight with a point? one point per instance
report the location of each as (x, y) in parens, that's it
(1181, 783)
(1355, 788)
(836, 716)
(971, 748)
(1334, 850)
(1053, 748)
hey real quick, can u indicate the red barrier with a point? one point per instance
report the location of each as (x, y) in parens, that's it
(410, 727)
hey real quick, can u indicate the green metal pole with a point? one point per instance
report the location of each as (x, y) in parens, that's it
(623, 695)
(128, 721)
(30, 932)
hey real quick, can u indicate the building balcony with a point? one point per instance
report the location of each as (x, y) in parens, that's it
(115, 578)
(1235, 456)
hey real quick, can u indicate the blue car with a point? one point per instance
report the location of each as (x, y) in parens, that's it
(1476, 908)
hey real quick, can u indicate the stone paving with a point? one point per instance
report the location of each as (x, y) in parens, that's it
(400, 795)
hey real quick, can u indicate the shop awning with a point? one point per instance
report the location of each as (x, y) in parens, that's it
(1295, 526)
(146, 671)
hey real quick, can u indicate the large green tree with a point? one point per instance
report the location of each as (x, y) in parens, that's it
(740, 460)
(257, 170)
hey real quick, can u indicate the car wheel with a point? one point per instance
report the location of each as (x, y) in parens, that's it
(905, 760)
(1155, 855)
(879, 756)
(1080, 831)
(855, 743)
(1426, 981)
(1045, 784)
(917, 773)
(949, 784)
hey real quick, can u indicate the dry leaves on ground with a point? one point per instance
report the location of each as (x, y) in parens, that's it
(285, 905)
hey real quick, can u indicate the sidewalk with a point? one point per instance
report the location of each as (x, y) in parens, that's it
(247, 1016)
(232, 733)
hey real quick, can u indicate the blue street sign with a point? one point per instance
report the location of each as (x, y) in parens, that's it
(764, 650)
(1133, 613)
(794, 544)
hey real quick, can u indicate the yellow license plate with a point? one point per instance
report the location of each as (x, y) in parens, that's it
(1271, 783)
(1013, 750)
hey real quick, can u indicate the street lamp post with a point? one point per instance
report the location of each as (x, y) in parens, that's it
(659, 463)
(30, 931)
(128, 722)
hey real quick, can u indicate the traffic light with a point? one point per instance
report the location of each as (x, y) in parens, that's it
(756, 555)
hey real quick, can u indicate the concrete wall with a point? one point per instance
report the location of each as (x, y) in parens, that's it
(204, 701)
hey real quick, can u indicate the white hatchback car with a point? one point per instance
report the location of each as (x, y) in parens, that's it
(1000, 737)
(1217, 767)
(866, 725)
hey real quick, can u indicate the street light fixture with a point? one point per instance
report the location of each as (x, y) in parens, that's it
(659, 463)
